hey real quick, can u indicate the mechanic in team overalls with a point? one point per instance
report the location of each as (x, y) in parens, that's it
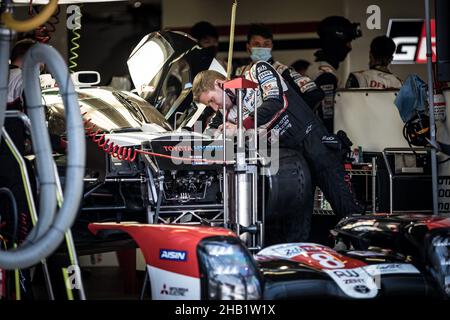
(336, 34)
(288, 119)
(378, 76)
(259, 46)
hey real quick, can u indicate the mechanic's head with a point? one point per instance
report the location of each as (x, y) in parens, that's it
(259, 42)
(207, 88)
(206, 35)
(19, 50)
(301, 66)
(336, 34)
(382, 51)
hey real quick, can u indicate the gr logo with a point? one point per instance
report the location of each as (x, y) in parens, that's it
(410, 38)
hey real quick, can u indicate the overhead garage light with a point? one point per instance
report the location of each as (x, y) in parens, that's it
(64, 1)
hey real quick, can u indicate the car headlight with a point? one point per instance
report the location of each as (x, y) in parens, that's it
(438, 254)
(228, 271)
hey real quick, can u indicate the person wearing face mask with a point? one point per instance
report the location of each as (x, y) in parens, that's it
(259, 46)
(207, 37)
(336, 34)
(287, 119)
(378, 76)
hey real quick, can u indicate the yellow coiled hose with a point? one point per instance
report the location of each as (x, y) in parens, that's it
(73, 50)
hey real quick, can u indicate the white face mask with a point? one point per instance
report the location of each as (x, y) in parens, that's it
(261, 54)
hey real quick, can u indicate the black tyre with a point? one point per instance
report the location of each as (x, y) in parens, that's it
(289, 200)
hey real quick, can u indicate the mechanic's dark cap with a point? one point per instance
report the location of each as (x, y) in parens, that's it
(20, 48)
(259, 29)
(338, 28)
(204, 29)
(300, 64)
(382, 47)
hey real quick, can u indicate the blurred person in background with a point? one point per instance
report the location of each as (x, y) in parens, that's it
(378, 75)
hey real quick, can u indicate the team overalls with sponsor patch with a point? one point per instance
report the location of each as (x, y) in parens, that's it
(303, 85)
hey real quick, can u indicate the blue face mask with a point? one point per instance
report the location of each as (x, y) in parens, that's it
(261, 54)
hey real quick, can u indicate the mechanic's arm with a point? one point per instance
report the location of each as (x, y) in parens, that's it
(352, 81)
(305, 87)
(270, 85)
(328, 83)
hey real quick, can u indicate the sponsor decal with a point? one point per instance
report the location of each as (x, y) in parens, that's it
(361, 289)
(261, 67)
(283, 251)
(173, 255)
(307, 87)
(327, 88)
(326, 69)
(355, 283)
(272, 93)
(177, 148)
(173, 291)
(329, 138)
(265, 74)
(267, 79)
(409, 36)
(167, 285)
(268, 86)
(390, 268)
(209, 147)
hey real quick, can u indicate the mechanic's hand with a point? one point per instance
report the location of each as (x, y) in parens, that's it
(231, 129)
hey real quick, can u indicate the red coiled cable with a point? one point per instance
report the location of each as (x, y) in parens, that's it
(126, 153)
(43, 33)
(116, 151)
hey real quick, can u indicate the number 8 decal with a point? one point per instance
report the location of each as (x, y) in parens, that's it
(327, 261)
